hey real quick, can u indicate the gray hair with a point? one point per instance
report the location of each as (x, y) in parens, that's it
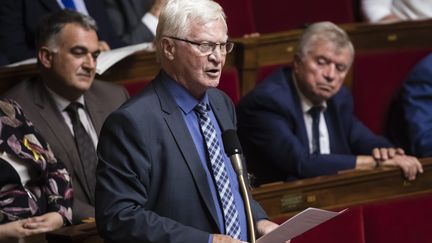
(324, 31)
(52, 24)
(176, 16)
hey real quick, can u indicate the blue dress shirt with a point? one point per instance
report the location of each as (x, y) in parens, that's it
(187, 103)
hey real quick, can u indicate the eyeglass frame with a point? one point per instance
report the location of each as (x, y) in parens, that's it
(212, 45)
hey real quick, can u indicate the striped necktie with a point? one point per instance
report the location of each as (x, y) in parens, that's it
(231, 216)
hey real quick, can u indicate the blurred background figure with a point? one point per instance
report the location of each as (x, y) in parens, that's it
(135, 21)
(19, 19)
(385, 11)
(412, 128)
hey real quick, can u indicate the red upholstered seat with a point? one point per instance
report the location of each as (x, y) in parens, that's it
(399, 221)
(240, 18)
(347, 228)
(265, 71)
(230, 84)
(281, 15)
(377, 78)
(135, 87)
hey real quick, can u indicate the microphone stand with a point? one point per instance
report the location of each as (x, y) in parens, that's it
(243, 189)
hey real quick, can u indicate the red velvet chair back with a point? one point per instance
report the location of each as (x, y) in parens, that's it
(280, 15)
(135, 87)
(240, 18)
(230, 84)
(377, 78)
(400, 221)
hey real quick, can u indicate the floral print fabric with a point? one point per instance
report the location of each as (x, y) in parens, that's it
(49, 190)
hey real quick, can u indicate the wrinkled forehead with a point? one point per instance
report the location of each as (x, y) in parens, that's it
(215, 28)
(330, 49)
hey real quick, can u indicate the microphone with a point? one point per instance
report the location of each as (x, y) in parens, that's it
(233, 149)
(234, 152)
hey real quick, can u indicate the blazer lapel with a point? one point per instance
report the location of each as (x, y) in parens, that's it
(180, 132)
(57, 125)
(95, 110)
(296, 110)
(221, 112)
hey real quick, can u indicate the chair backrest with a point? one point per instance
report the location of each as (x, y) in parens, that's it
(377, 79)
(230, 84)
(240, 18)
(135, 87)
(280, 15)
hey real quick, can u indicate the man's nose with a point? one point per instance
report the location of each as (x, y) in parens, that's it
(90, 61)
(330, 72)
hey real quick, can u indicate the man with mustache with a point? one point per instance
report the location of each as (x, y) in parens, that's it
(68, 47)
(299, 122)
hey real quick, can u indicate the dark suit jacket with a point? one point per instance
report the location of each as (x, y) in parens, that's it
(411, 117)
(19, 19)
(151, 186)
(273, 133)
(39, 107)
(126, 15)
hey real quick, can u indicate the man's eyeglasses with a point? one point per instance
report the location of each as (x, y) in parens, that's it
(207, 48)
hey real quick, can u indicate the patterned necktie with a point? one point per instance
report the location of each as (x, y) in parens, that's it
(232, 225)
(69, 4)
(315, 113)
(85, 147)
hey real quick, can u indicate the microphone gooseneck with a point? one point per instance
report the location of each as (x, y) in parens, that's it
(233, 149)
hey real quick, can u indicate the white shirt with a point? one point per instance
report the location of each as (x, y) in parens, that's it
(84, 117)
(324, 138)
(151, 22)
(23, 168)
(374, 10)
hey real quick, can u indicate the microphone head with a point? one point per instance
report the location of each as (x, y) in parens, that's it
(231, 142)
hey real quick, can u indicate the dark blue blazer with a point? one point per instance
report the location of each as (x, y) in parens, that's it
(151, 186)
(411, 127)
(273, 133)
(19, 19)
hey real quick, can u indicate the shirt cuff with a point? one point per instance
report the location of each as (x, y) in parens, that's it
(151, 22)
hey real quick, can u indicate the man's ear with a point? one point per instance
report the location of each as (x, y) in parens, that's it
(296, 61)
(168, 48)
(45, 57)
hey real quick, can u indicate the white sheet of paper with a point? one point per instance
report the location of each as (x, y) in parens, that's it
(298, 224)
(23, 62)
(108, 58)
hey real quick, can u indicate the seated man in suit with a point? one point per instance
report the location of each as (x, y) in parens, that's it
(299, 122)
(163, 175)
(66, 103)
(413, 127)
(19, 19)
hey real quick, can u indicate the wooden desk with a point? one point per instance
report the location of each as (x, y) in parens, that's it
(326, 192)
(340, 191)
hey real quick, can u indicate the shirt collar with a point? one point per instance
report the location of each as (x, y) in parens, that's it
(183, 98)
(61, 102)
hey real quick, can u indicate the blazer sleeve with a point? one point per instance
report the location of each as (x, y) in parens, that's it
(14, 39)
(417, 106)
(122, 189)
